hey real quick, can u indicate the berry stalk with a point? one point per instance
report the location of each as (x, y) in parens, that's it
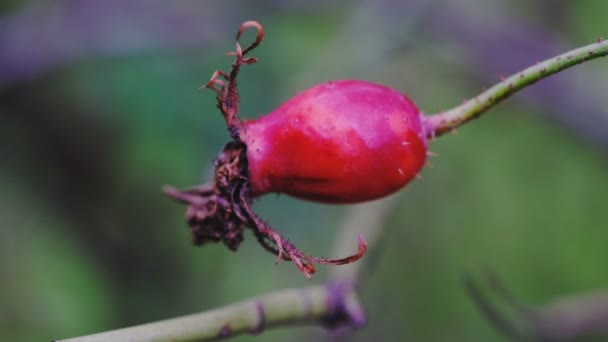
(438, 124)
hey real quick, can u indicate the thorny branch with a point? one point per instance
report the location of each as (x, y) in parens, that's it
(449, 120)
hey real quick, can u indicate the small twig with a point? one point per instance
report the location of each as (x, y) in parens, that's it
(447, 121)
(503, 292)
(566, 318)
(508, 327)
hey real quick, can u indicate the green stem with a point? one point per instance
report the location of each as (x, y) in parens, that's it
(447, 121)
(331, 305)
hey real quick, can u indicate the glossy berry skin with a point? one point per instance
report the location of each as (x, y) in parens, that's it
(338, 142)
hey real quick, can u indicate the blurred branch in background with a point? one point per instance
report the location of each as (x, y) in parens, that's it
(343, 56)
(367, 219)
(565, 318)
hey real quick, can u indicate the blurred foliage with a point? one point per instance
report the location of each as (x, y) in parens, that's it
(88, 243)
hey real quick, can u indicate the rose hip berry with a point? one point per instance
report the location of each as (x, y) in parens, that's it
(338, 142)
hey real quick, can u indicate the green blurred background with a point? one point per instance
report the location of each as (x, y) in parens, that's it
(99, 109)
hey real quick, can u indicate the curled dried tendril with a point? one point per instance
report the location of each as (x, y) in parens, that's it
(221, 210)
(224, 84)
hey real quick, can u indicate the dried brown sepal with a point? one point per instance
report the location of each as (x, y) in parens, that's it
(221, 210)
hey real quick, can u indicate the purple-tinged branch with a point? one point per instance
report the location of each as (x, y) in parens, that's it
(330, 305)
(447, 121)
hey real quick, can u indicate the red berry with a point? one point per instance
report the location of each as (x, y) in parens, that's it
(340, 142)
